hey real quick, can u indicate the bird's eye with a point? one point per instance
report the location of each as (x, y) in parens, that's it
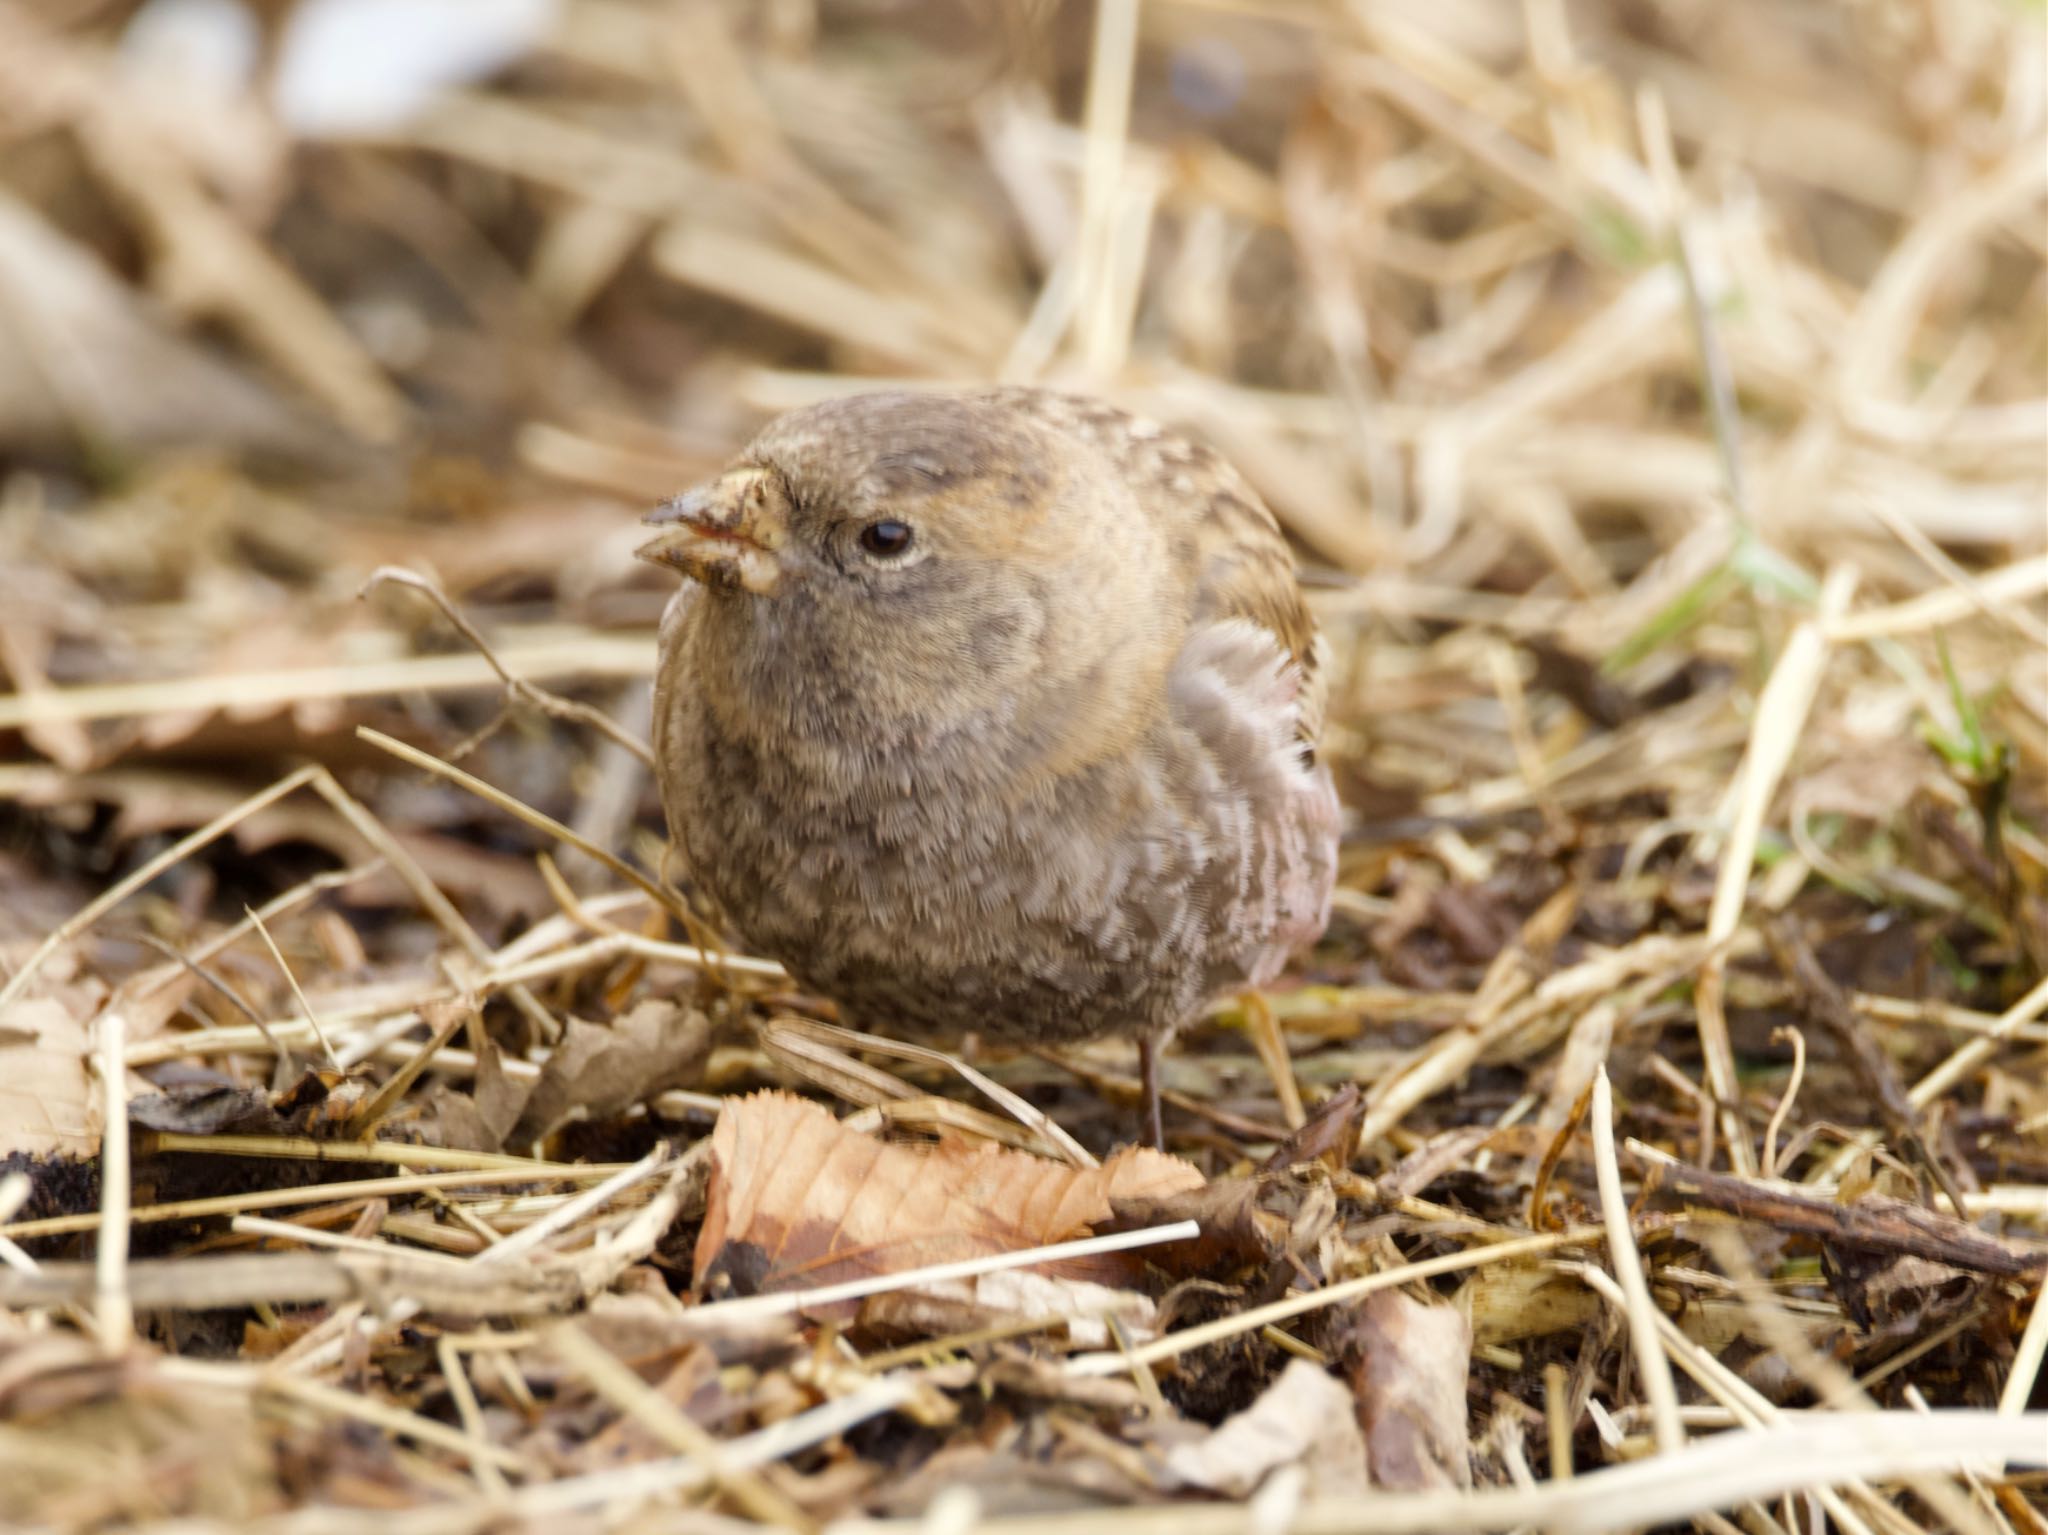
(885, 539)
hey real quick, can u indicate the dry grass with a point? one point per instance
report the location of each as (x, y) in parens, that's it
(1658, 398)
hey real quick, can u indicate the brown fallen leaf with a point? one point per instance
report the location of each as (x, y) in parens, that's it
(447, 1116)
(196, 1101)
(652, 1324)
(1327, 1134)
(1304, 1419)
(207, 1108)
(1895, 1297)
(1239, 1231)
(1248, 1224)
(1011, 1299)
(1408, 1361)
(1086, 1307)
(25, 649)
(479, 1116)
(605, 1070)
(49, 1105)
(797, 1200)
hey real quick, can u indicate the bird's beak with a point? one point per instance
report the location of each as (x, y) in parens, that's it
(727, 533)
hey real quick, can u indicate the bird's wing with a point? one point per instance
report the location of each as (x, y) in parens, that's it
(1244, 570)
(1236, 561)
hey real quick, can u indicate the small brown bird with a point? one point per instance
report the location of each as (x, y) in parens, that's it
(995, 711)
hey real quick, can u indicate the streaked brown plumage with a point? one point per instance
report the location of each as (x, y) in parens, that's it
(995, 711)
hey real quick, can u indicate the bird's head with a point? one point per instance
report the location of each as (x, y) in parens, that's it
(915, 551)
(875, 497)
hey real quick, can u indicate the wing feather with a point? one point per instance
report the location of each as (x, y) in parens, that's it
(1235, 559)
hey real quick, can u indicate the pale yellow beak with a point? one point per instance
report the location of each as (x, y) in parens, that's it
(726, 533)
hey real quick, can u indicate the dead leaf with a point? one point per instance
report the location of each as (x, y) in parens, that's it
(1044, 1380)
(798, 1200)
(1408, 1361)
(1895, 1297)
(25, 649)
(48, 1102)
(480, 1117)
(1247, 1224)
(906, 1316)
(500, 1097)
(1086, 1307)
(604, 1070)
(1305, 1418)
(1238, 1232)
(651, 1325)
(1327, 1134)
(1010, 1299)
(206, 1108)
(446, 1116)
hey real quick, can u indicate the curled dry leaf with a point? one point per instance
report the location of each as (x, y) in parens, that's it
(1247, 1224)
(48, 1102)
(1010, 1299)
(1304, 1418)
(607, 1069)
(1085, 1306)
(1326, 1136)
(650, 1324)
(1896, 1296)
(207, 1108)
(481, 1118)
(1408, 1361)
(1239, 1231)
(798, 1200)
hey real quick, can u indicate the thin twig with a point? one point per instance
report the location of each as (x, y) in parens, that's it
(1769, 1169)
(115, 1315)
(667, 899)
(517, 687)
(1351, 1289)
(1651, 1365)
(305, 1007)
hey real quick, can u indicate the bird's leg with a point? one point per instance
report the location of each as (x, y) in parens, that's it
(1148, 1073)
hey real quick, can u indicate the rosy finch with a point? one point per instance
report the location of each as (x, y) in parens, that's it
(995, 711)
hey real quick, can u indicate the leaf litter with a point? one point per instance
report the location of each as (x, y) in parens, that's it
(1659, 1136)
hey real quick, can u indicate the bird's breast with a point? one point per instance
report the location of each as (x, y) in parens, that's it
(919, 886)
(943, 877)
